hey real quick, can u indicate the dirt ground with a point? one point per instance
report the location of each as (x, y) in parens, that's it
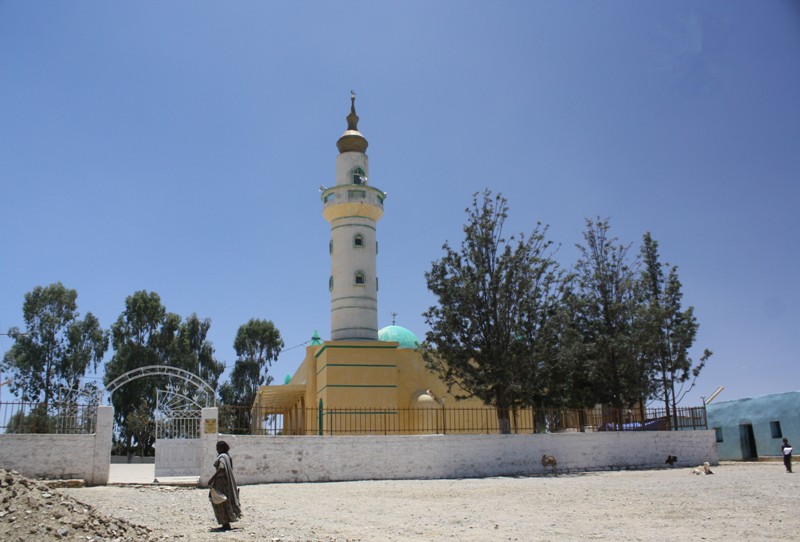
(740, 501)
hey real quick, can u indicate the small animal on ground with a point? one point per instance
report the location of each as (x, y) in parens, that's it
(671, 460)
(550, 461)
(705, 468)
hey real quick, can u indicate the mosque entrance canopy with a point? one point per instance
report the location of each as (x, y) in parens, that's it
(280, 398)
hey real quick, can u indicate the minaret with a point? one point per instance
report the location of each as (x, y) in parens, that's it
(353, 208)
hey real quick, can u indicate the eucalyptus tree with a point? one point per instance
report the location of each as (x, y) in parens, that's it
(56, 348)
(142, 335)
(146, 334)
(488, 333)
(668, 330)
(141, 425)
(257, 344)
(194, 352)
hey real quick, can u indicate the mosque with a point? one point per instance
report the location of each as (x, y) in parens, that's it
(363, 379)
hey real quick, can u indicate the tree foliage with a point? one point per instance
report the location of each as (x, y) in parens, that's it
(140, 337)
(668, 330)
(512, 329)
(258, 343)
(56, 348)
(489, 335)
(146, 334)
(627, 338)
(602, 307)
(142, 427)
(194, 352)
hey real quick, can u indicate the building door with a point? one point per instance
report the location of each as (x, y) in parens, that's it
(748, 442)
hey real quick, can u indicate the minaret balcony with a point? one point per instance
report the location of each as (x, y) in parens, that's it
(352, 200)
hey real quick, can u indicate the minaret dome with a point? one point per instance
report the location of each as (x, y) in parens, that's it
(352, 140)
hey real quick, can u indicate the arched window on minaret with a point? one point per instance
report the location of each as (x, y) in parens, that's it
(358, 176)
(360, 279)
(358, 240)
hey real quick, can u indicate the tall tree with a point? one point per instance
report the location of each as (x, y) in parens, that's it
(487, 334)
(258, 343)
(57, 347)
(142, 427)
(194, 352)
(146, 334)
(569, 381)
(668, 330)
(143, 335)
(603, 308)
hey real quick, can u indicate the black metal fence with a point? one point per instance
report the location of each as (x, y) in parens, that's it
(71, 418)
(49, 418)
(441, 421)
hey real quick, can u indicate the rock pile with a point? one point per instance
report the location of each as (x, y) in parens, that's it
(31, 510)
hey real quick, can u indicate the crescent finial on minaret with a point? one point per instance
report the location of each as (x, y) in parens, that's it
(352, 118)
(352, 140)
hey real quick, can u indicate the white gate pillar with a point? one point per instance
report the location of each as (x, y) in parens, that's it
(103, 435)
(209, 434)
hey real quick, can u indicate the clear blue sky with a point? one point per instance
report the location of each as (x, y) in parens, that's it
(177, 147)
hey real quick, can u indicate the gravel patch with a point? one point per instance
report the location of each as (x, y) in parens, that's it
(32, 510)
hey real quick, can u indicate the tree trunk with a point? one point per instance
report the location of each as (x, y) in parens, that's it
(674, 406)
(129, 440)
(582, 420)
(503, 421)
(665, 384)
(503, 415)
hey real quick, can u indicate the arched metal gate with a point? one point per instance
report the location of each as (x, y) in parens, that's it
(177, 419)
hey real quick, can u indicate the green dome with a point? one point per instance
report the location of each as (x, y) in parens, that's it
(398, 334)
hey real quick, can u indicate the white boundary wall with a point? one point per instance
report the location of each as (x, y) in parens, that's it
(259, 459)
(62, 456)
(268, 459)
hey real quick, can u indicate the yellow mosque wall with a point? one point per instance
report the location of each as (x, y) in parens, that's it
(365, 387)
(357, 374)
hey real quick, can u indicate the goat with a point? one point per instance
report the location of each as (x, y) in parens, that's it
(550, 461)
(705, 468)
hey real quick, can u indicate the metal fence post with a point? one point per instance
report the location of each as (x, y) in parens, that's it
(319, 419)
